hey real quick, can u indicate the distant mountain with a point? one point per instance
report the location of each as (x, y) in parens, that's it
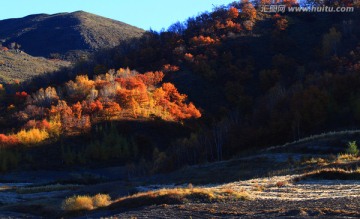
(43, 34)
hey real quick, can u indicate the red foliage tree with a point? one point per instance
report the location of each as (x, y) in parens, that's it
(170, 68)
(111, 109)
(43, 124)
(151, 78)
(8, 140)
(21, 95)
(96, 106)
(233, 13)
(172, 94)
(248, 10)
(101, 99)
(189, 57)
(77, 109)
(202, 40)
(169, 98)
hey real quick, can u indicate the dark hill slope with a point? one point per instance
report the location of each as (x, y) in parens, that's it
(42, 34)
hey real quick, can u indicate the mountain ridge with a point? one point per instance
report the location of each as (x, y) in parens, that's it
(46, 34)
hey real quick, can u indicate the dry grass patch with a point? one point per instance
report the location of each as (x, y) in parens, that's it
(346, 157)
(331, 174)
(179, 196)
(318, 161)
(84, 202)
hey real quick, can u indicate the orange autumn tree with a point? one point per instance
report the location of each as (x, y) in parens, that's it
(116, 95)
(170, 68)
(248, 10)
(189, 57)
(172, 101)
(233, 13)
(111, 109)
(202, 40)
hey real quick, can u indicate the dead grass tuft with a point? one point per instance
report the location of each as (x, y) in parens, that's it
(101, 200)
(77, 203)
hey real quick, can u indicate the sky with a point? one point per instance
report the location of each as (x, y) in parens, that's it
(146, 14)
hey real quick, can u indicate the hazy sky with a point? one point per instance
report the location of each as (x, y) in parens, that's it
(155, 14)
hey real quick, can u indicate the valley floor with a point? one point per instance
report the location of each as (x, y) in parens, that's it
(278, 184)
(270, 197)
(258, 208)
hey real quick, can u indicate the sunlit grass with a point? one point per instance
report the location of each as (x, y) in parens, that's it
(85, 202)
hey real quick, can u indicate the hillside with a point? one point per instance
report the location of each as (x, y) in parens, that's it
(260, 78)
(255, 77)
(42, 34)
(19, 66)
